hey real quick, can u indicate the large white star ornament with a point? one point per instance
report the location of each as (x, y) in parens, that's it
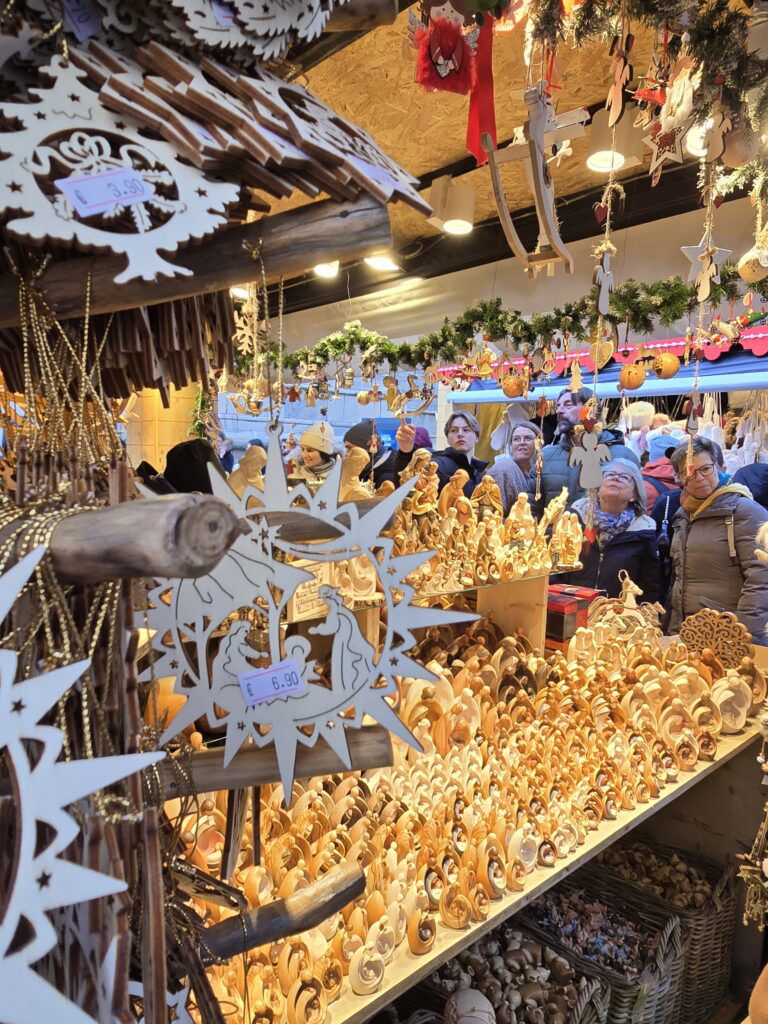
(42, 879)
(706, 262)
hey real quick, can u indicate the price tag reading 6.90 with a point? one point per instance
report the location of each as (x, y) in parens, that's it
(282, 679)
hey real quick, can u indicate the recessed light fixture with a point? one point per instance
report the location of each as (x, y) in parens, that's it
(382, 262)
(327, 269)
(611, 149)
(453, 205)
(239, 292)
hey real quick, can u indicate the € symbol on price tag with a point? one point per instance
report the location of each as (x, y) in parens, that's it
(282, 679)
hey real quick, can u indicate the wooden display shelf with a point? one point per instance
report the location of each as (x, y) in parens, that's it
(406, 969)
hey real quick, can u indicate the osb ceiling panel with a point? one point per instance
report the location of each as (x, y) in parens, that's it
(372, 83)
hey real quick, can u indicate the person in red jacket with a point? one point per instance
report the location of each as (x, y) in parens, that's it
(658, 472)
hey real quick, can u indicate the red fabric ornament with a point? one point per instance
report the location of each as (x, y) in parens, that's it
(443, 47)
(482, 111)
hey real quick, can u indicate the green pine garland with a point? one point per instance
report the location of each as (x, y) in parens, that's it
(637, 308)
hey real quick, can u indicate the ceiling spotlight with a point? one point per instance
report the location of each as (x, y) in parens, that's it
(611, 149)
(327, 269)
(453, 206)
(239, 292)
(696, 141)
(382, 262)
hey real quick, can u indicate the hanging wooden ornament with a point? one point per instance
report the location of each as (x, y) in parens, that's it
(693, 408)
(666, 145)
(622, 76)
(44, 787)
(256, 577)
(665, 365)
(589, 453)
(602, 344)
(631, 377)
(98, 183)
(753, 265)
(603, 279)
(706, 261)
(213, 23)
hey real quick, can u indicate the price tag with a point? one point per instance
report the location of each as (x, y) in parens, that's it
(94, 193)
(82, 18)
(223, 13)
(282, 679)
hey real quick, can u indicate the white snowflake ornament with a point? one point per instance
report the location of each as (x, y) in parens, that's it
(69, 134)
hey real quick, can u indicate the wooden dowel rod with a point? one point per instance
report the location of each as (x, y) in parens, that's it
(305, 909)
(178, 535)
(290, 243)
(369, 747)
(362, 15)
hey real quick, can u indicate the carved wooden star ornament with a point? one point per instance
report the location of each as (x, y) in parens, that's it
(666, 144)
(706, 262)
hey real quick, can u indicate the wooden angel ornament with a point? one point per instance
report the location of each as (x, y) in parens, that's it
(603, 279)
(706, 262)
(589, 453)
(622, 76)
(446, 60)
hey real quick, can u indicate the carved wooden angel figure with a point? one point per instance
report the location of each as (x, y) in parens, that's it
(589, 453)
(622, 76)
(694, 407)
(603, 279)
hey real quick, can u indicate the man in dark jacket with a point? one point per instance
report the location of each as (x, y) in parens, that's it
(462, 432)
(364, 435)
(755, 477)
(555, 471)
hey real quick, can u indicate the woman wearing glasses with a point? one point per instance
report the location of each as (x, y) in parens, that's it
(624, 536)
(713, 548)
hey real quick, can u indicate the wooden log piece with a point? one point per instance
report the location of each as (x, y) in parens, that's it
(369, 747)
(290, 243)
(362, 15)
(299, 528)
(305, 909)
(178, 535)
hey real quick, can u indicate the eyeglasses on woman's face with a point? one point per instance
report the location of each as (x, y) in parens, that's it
(704, 472)
(619, 478)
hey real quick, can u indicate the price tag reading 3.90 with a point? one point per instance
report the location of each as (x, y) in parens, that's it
(282, 679)
(94, 193)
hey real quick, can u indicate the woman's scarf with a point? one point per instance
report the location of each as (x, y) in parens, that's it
(695, 505)
(609, 525)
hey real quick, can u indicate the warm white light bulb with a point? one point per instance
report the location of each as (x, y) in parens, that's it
(381, 263)
(696, 139)
(457, 226)
(239, 292)
(327, 269)
(605, 161)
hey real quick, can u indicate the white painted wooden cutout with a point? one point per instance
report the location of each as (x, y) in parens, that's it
(188, 617)
(42, 881)
(706, 262)
(667, 144)
(622, 76)
(603, 278)
(589, 453)
(529, 143)
(185, 205)
(208, 22)
(303, 18)
(176, 1002)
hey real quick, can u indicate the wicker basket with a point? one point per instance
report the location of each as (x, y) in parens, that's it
(591, 1006)
(708, 932)
(653, 997)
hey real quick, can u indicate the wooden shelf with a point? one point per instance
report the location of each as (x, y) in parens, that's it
(406, 969)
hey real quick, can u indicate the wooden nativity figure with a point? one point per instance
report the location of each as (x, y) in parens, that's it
(589, 453)
(351, 488)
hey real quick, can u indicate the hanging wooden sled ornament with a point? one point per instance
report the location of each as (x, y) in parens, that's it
(446, 60)
(542, 134)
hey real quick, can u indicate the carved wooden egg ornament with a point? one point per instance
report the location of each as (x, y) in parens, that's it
(469, 1007)
(665, 365)
(631, 377)
(512, 385)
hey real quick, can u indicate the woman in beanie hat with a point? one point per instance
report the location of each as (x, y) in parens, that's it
(318, 456)
(625, 537)
(365, 435)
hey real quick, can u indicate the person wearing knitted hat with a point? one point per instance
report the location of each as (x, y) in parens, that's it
(317, 446)
(625, 537)
(365, 435)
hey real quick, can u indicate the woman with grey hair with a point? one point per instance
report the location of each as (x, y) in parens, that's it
(511, 468)
(462, 431)
(624, 536)
(713, 548)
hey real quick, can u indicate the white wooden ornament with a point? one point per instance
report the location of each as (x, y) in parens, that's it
(706, 262)
(69, 133)
(589, 453)
(205, 22)
(304, 19)
(667, 144)
(603, 279)
(42, 880)
(251, 577)
(176, 1003)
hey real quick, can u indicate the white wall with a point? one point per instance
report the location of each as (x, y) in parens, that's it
(416, 306)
